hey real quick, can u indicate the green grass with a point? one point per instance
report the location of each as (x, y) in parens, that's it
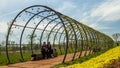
(3, 59)
(14, 58)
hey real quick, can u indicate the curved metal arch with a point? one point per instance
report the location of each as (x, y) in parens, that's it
(59, 40)
(82, 34)
(65, 37)
(35, 30)
(56, 32)
(90, 39)
(77, 37)
(9, 30)
(86, 37)
(23, 32)
(97, 39)
(82, 39)
(89, 34)
(46, 27)
(70, 22)
(79, 32)
(72, 37)
(60, 36)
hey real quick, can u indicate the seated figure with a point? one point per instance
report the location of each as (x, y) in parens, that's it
(44, 50)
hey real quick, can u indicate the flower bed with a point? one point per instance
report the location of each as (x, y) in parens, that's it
(99, 61)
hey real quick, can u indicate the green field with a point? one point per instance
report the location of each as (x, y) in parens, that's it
(14, 58)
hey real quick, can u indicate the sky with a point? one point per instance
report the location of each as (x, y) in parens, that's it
(102, 15)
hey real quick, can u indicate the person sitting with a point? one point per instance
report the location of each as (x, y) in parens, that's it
(44, 50)
(50, 50)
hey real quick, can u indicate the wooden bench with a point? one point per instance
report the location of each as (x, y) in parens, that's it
(36, 57)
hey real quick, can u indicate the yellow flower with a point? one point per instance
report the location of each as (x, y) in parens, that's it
(99, 61)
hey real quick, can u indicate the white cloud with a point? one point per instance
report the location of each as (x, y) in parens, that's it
(7, 14)
(108, 11)
(3, 27)
(66, 6)
(99, 27)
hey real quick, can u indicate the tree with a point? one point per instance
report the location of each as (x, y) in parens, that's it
(13, 46)
(2, 47)
(116, 37)
(31, 37)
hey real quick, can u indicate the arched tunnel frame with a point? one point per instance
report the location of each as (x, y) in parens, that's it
(77, 36)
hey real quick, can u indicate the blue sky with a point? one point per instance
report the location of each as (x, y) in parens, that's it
(102, 15)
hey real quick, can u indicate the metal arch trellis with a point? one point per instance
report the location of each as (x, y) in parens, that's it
(68, 29)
